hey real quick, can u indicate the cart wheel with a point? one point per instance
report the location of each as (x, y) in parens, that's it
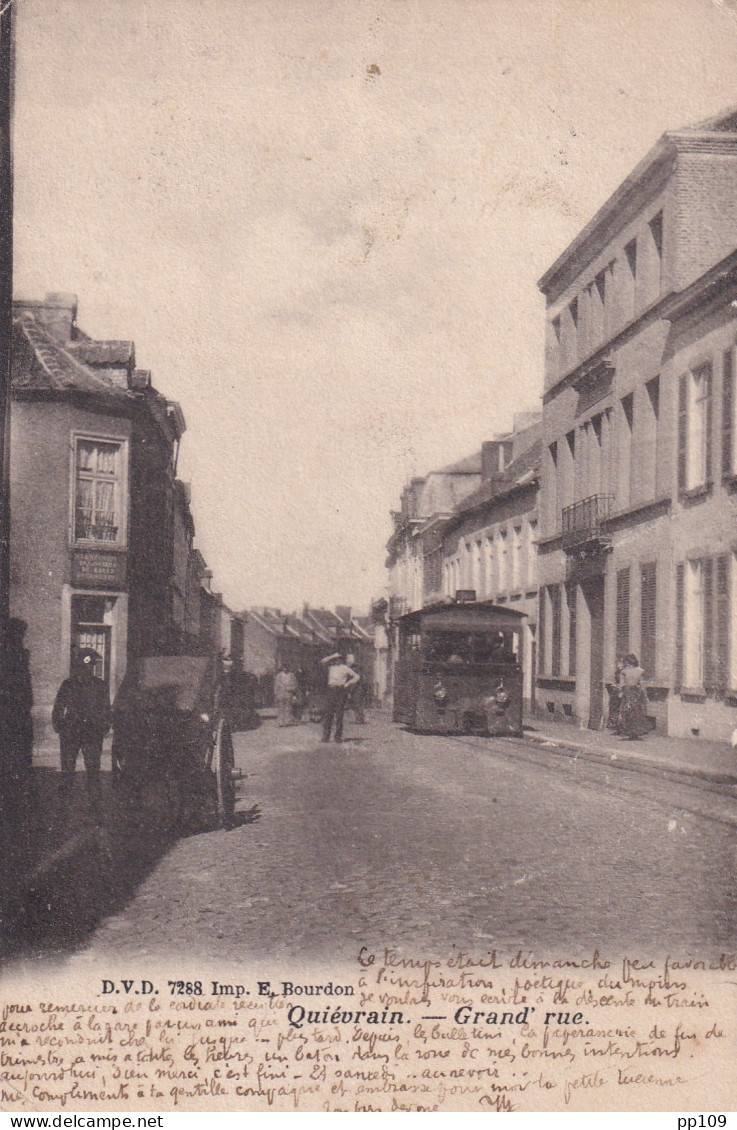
(160, 802)
(223, 764)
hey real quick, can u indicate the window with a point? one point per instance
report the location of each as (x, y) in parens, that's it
(656, 231)
(729, 455)
(555, 603)
(622, 643)
(624, 452)
(478, 578)
(629, 273)
(532, 555)
(693, 624)
(92, 618)
(516, 571)
(98, 491)
(551, 486)
(694, 428)
(648, 620)
(646, 478)
(502, 581)
(705, 629)
(488, 564)
(571, 588)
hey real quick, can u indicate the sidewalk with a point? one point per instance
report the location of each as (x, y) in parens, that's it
(713, 762)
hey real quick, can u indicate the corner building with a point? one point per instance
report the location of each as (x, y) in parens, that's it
(638, 538)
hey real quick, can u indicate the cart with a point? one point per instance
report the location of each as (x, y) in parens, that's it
(172, 746)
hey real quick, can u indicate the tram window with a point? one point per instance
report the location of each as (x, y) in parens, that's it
(475, 647)
(448, 647)
(409, 642)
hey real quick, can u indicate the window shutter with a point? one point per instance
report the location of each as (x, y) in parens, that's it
(682, 429)
(555, 594)
(571, 600)
(679, 623)
(708, 422)
(541, 631)
(648, 634)
(708, 605)
(623, 612)
(727, 412)
(721, 623)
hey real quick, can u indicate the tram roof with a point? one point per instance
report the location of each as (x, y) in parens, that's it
(482, 610)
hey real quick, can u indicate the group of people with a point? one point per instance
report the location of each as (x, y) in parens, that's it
(628, 704)
(344, 690)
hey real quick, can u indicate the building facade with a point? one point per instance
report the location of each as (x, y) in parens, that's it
(414, 550)
(638, 506)
(489, 545)
(92, 476)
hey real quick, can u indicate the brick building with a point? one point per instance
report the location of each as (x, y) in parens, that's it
(638, 505)
(92, 483)
(489, 545)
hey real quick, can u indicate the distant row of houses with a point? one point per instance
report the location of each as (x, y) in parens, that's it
(610, 519)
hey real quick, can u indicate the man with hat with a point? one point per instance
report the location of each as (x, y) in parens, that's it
(81, 717)
(340, 678)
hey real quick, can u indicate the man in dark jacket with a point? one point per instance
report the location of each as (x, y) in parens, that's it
(81, 717)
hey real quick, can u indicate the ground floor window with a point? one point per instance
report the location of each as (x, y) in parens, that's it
(92, 619)
(705, 623)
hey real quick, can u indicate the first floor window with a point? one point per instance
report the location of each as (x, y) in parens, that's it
(98, 491)
(694, 428)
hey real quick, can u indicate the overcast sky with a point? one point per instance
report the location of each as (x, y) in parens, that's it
(323, 222)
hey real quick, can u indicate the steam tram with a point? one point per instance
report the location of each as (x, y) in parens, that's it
(459, 670)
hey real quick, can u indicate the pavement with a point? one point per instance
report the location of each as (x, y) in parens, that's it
(419, 841)
(50, 835)
(694, 758)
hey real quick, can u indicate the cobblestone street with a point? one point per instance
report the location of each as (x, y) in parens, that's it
(397, 838)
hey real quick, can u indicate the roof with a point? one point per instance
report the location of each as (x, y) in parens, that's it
(104, 369)
(43, 365)
(717, 129)
(471, 465)
(480, 610)
(104, 352)
(518, 473)
(279, 624)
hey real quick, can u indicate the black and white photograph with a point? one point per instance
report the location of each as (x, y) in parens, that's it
(368, 555)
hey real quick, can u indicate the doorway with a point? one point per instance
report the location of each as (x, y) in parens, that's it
(593, 591)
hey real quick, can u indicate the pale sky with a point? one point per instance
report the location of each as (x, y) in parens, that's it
(323, 221)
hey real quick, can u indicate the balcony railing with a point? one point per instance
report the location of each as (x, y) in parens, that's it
(583, 524)
(397, 607)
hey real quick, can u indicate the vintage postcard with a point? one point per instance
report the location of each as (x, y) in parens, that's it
(370, 702)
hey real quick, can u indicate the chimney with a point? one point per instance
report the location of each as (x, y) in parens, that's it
(343, 612)
(57, 314)
(495, 456)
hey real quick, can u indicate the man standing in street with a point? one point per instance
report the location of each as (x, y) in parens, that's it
(81, 717)
(340, 678)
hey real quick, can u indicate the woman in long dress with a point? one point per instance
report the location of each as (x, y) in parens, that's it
(285, 687)
(633, 723)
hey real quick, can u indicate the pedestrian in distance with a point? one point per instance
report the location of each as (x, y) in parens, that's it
(615, 696)
(340, 678)
(357, 693)
(299, 699)
(285, 688)
(632, 722)
(81, 716)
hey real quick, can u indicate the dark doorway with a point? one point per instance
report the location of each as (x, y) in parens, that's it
(593, 590)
